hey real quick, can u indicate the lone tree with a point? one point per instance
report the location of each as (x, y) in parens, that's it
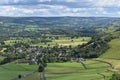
(41, 68)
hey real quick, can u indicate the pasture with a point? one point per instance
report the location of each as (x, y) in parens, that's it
(9, 71)
(74, 71)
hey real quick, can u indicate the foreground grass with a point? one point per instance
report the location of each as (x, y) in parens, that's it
(9, 71)
(114, 51)
(58, 71)
(74, 71)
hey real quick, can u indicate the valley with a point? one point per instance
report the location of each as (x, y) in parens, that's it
(85, 48)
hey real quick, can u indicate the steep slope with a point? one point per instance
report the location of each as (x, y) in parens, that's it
(114, 51)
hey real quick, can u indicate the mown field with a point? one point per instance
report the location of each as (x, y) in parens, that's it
(10, 71)
(74, 71)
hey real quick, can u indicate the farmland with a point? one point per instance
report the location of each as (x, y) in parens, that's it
(9, 71)
(58, 71)
(62, 41)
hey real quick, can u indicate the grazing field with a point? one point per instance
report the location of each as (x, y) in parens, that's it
(114, 51)
(10, 71)
(74, 71)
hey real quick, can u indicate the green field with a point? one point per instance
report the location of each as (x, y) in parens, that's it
(10, 71)
(114, 51)
(74, 71)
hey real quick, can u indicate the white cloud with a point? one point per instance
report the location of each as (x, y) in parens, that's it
(44, 0)
(71, 0)
(118, 12)
(97, 9)
(15, 1)
(107, 3)
(4, 1)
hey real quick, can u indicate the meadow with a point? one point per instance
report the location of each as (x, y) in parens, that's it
(58, 71)
(10, 71)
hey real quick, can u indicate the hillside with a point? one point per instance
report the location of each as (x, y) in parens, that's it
(114, 51)
(61, 21)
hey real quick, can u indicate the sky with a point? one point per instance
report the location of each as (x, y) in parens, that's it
(53, 8)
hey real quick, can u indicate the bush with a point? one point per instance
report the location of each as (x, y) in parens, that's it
(115, 76)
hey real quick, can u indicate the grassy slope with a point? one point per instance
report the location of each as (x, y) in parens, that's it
(114, 51)
(74, 71)
(112, 55)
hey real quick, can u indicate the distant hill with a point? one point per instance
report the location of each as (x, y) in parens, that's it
(114, 51)
(62, 21)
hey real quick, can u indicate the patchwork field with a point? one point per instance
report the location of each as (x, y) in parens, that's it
(65, 41)
(62, 41)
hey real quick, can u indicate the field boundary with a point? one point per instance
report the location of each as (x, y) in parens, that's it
(106, 63)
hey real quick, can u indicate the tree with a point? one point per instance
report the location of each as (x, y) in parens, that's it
(41, 70)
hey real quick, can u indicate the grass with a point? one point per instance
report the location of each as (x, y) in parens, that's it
(9, 71)
(74, 71)
(114, 51)
(12, 41)
(112, 55)
(114, 62)
(66, 41)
